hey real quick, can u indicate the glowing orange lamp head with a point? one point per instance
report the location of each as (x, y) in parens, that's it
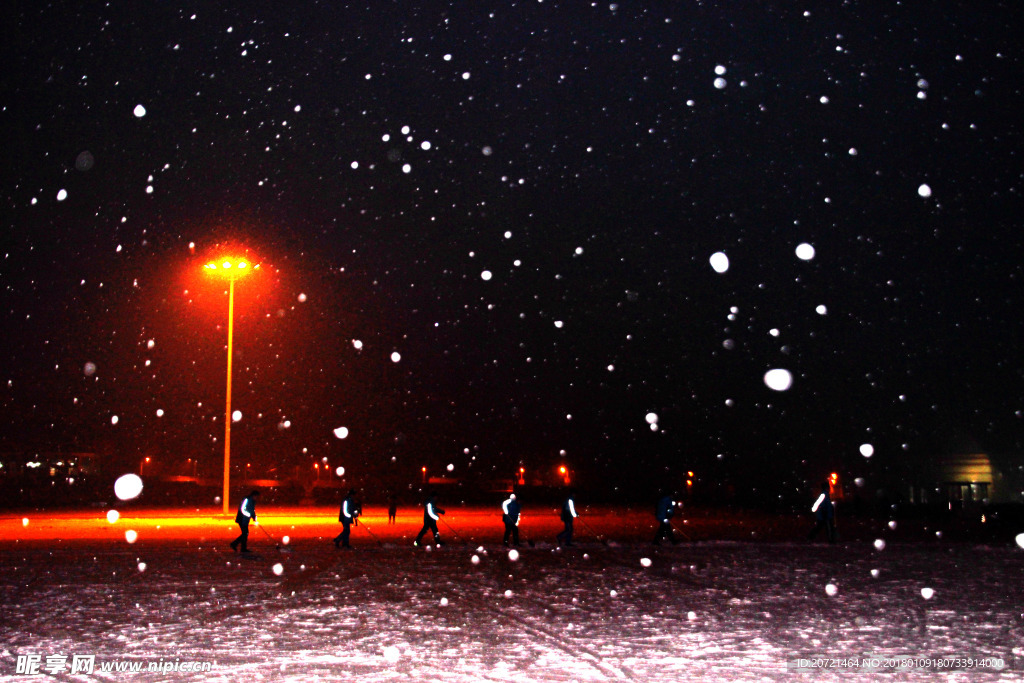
(231, 268)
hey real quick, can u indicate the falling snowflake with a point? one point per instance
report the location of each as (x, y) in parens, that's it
(719, 262)
(128, 486)
(804, 251)
(778, 379)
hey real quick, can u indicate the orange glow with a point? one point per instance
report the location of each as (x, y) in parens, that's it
(561, 469)
(689, 474)
(306, 526)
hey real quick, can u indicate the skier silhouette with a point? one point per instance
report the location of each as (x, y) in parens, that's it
(348, 514)
(568, 515)
(510, 516)
(664, 510)
(246, 514)
(392, 508)
(430, 517)
(825, 513)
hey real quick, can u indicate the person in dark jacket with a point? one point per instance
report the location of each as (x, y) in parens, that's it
(392, 508)
(825, 515)
(246, 514)
(510, 516)
(664, 511)
(430, 517)
(568, 515)
(348, 514)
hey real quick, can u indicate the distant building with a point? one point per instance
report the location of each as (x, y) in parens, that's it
(30, 478)
(50, 466)
(959, 479)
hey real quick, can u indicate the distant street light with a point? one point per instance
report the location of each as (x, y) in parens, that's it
(232, 269)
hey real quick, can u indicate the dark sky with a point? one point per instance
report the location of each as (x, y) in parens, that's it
(581, 154)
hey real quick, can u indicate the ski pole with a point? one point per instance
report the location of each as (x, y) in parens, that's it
(592, 532)
(681, 532)
(454, 533)
(529, 541)
(276, 544)
(372, 535)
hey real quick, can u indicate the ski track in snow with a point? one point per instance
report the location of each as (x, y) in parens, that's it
(755, 607)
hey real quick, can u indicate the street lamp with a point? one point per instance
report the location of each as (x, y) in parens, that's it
(231, 269)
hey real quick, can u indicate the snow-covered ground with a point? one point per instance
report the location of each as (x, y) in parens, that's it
(603, 610)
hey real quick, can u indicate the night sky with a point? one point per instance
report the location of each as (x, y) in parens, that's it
(521, 199)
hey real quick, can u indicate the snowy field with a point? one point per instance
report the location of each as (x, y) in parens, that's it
(604, 610)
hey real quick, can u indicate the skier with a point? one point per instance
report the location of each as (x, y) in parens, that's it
(392, 508)
(348, 514)
(568, 515)
(665, 508)
(510, 516)
(246, 513)
(430, 517)
(825, 514)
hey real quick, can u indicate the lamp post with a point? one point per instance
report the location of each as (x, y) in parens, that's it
(232, 269)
